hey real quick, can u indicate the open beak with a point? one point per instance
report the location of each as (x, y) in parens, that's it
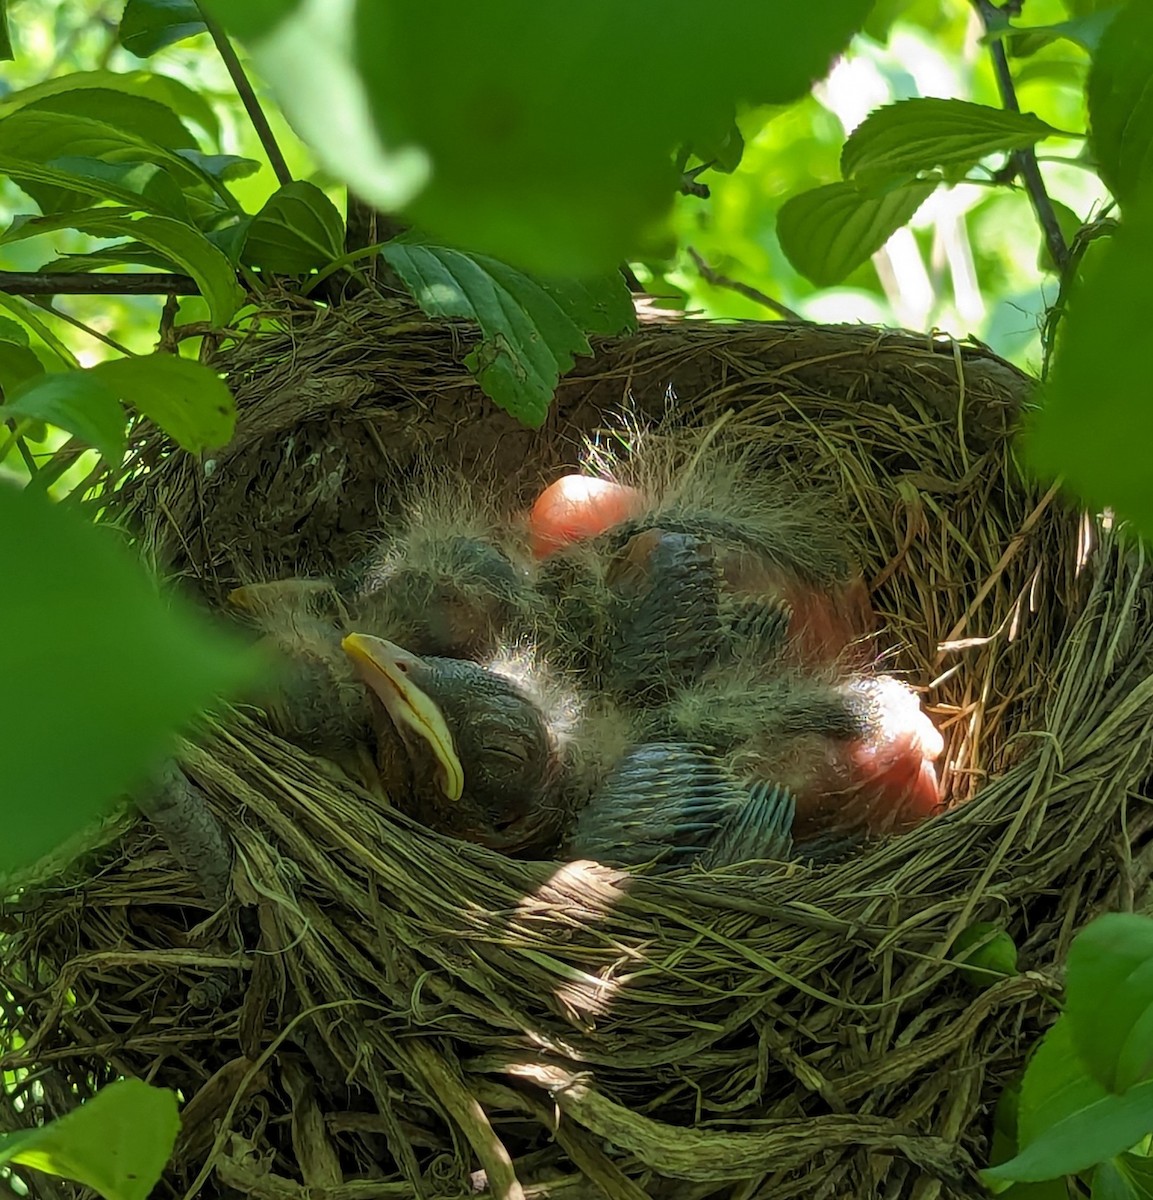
(388, 670)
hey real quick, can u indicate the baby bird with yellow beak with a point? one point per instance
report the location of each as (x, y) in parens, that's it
(463, 748)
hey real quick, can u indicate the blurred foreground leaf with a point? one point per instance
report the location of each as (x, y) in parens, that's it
(99, 673)
(530, 132)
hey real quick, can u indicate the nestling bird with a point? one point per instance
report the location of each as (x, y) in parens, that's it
(765, 546)
(468, 750)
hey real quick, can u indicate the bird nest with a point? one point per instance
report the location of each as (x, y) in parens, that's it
(380, 1011)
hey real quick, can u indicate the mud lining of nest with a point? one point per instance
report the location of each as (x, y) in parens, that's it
(381, 1011)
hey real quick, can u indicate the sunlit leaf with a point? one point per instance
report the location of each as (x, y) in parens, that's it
(116, 1143)
(524, 142)
(140, 185)
(1095, 425)
(96, 664)
(149, 25)
(186, 399)
(1109, 998)
(35, 135)
(77, 402)
(136, 114)
(903, 141)
(1121, 101)
(531, 329)
(1066, 1121)
(1086, 32)
(297, 230)
(829, 232)
(162, 89)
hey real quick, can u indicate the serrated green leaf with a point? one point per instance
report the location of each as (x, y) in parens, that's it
(149, 25)
(903, 141)
(1094, 425)
(116, 1143)
(77, 402)
(162, 89)
(188, 248)
(96, 652)
(520, 148)
(531, 330)
(28, 225)
(1120, 95)
(829, 232)
(13, 331)
(188, 401)
(1066, 1121)
(298, 230)
(1109, 999)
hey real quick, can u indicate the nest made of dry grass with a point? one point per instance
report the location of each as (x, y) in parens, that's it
(438, 1019)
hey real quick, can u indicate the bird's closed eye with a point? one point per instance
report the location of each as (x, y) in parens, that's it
(513, 754)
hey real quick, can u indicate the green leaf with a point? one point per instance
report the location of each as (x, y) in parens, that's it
(121, 254)
(138, 185)
(6, 54)
(161, 89)
(13, 331)
(1085, 32)
(522, 148)
(187, 400)
(1070, 225)
(298, 230)
(984, 953)
(1120, 95)
(116, 1143)
(902, 141)
(1109, 999)
(96, 663)
(189, 249)
(1095, 425)
(149, 25)
(221, 166)
(1066, 1121)
(37, 136)
(75, 401)
(1126, 1177)
(133, 113)
(18, 364)
(531, 330)
(830, 231)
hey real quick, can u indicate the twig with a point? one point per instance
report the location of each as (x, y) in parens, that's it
(743, 289)
(124, 283)
(247, 97)
(992, 18)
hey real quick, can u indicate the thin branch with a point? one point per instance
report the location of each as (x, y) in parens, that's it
(248, 97)
(993, 20)
(743, 289)
(52, 283)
